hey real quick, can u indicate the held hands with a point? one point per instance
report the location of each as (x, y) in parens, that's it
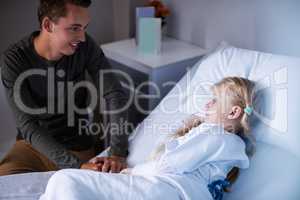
(91, 166)
(112, 164)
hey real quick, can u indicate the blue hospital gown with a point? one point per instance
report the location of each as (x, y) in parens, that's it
(205, 154)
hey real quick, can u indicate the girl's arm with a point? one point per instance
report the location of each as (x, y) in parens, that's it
(189, 156)
(201, 149)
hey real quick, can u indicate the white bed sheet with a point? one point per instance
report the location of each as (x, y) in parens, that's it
(91, 185)
(27, 186)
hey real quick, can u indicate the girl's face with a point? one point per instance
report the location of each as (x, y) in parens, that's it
(217, 107)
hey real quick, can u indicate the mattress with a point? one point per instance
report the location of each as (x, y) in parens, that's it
(27, 186)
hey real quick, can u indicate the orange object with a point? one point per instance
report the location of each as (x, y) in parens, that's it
(160, 9)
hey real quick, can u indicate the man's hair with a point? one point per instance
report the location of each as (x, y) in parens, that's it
(54, 9)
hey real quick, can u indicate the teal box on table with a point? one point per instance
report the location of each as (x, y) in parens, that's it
(149, 31)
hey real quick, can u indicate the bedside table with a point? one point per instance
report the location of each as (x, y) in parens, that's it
(150, 73)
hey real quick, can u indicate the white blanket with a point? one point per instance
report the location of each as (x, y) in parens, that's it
(183, 171)
(74, 184)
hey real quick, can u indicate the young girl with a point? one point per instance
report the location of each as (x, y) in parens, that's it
(204, 150)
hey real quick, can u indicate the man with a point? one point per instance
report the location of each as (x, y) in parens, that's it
(53, 60)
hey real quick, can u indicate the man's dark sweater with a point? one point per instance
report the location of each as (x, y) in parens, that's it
(49, 132)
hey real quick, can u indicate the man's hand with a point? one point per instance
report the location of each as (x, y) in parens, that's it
(91, 166)
(113, 164)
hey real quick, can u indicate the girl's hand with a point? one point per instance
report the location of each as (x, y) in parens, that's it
(189, 123)
(193, 121)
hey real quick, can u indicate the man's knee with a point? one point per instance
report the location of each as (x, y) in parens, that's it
(9, 167)
(23, 158)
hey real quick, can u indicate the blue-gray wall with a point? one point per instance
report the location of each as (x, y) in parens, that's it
(265, 25)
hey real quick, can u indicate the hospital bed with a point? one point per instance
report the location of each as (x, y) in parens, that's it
(274, 170)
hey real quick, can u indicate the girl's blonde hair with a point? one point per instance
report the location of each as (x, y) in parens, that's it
(240, 92)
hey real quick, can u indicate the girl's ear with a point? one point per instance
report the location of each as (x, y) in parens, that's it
(235, 112)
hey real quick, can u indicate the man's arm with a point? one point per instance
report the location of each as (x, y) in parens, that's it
(28, 125)
(114, 96)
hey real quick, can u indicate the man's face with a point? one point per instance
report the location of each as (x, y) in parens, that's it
(69, 31)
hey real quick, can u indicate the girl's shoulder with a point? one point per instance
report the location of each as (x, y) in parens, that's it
(216, 132)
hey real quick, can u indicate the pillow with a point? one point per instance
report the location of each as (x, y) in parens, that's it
(222, 62)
